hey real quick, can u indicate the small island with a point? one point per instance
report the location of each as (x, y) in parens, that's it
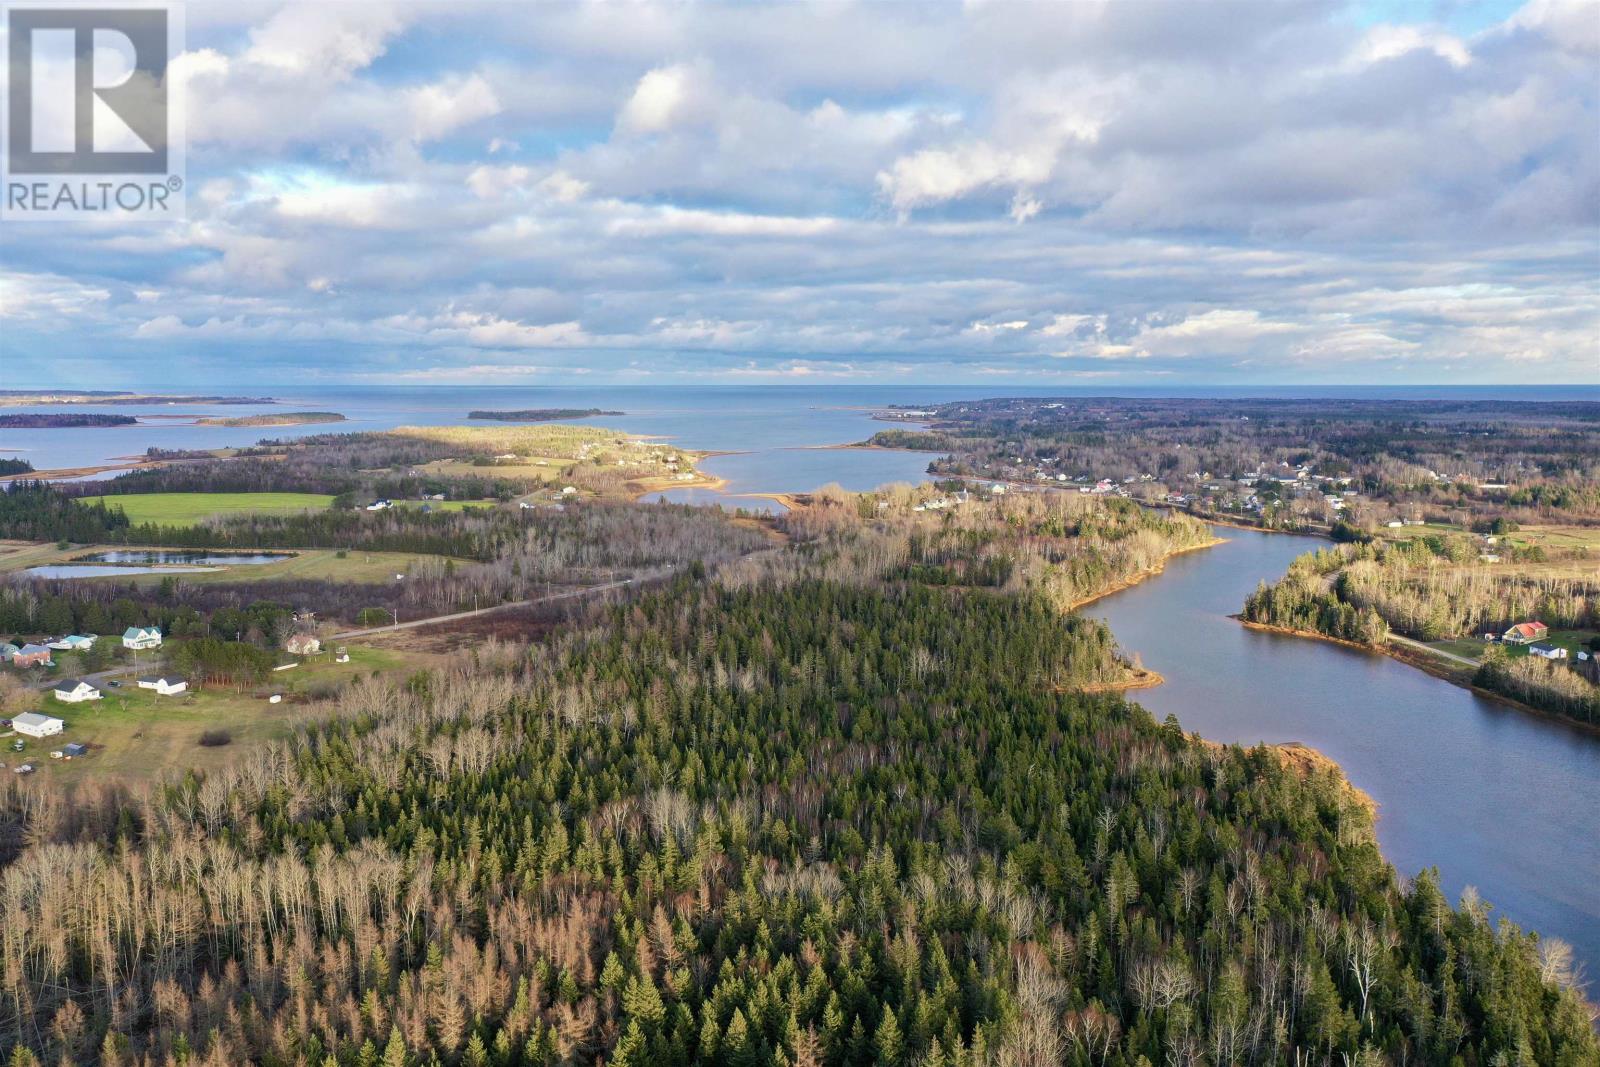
(541, 414)
(62, 420)
(287, 418)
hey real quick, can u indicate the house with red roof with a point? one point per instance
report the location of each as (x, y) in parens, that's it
(1525, 633)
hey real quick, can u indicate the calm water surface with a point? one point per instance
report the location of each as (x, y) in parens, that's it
(1494, 797)
(775, 431)
(164, 557)
(96, 570)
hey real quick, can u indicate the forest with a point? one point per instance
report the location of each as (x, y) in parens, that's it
(813, 806)
(62, 420)
(1466, 462)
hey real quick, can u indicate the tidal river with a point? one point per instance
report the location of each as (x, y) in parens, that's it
(1494, 797)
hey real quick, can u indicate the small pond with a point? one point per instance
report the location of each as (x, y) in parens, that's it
(196, 557)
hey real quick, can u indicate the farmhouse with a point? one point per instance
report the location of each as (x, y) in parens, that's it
(141, 637)
(1525, 633)
(303, 645)
(1547, 651)
(31, 656)
(33, 724)
(164, 684)
(74, 691)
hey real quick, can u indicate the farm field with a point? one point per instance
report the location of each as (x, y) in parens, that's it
(136, 735)
(529, 471)
(186, 509)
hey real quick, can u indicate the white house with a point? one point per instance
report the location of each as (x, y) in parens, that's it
(73, 691)
(380, 505)
(33, 724)
(303, 645)
(164, 684)
(1547, 651)
(73, 643)
(141, 637)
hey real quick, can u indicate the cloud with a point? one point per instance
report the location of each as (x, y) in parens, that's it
(662, 98)
(833, 191)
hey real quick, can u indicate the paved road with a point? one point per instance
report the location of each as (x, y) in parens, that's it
(588, 590)
(1409, 643)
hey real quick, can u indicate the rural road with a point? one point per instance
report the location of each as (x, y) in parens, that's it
(1451, 656)
(588, 590)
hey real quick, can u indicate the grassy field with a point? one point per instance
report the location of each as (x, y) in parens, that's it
(529, 471)
(135, 735)
(186, 509)
(1580, 538)
(543, 439)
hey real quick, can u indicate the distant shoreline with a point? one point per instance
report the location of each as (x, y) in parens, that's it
(23, 398)
(287, 418)
(542, 414)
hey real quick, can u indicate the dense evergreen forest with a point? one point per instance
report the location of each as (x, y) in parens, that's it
(812, 809)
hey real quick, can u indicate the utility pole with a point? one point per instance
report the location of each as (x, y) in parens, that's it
(396, 613)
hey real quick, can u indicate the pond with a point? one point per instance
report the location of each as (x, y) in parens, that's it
(101, 570)
(193, 557)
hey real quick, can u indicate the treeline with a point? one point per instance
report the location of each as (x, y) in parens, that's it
(1301, 602)
(44, 420)
(259, 474)
(787, 820)
(260, 612)
(15, 466)
(210, 659)
(1540, 683)
(38, 511)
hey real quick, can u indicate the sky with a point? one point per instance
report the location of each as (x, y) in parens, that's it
(1129, 192)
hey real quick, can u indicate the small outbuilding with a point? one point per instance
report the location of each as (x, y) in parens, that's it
(33, 724)
(164, 684)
